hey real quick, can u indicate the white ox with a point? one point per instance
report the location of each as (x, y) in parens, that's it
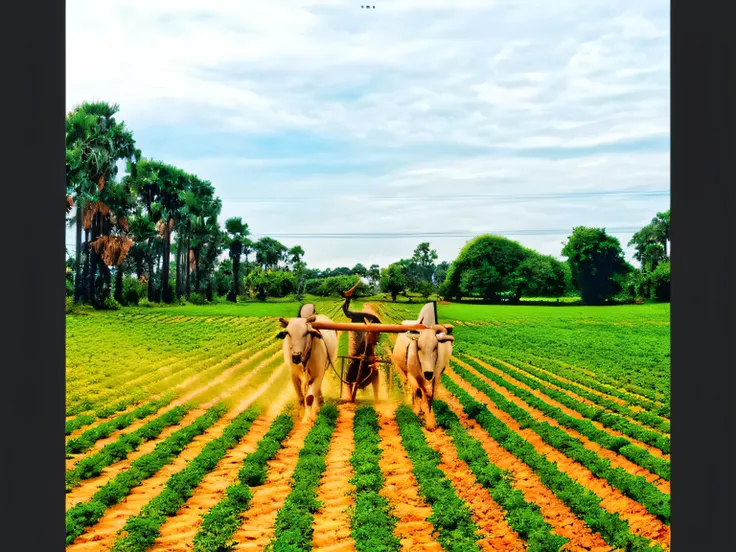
(423, 357)
(307, 353)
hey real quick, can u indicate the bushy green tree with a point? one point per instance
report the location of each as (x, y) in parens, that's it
(596, 263)
(394, 280)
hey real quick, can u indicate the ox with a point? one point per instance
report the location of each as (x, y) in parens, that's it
(423, 357)
(307, 353)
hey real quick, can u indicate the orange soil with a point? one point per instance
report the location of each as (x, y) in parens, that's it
(401, 488)
(586, 401)
(257, 528)
(616, 459)
(177, 533)
(89, 487)
(495, 532)
(653, 450)
(332, 520)
(102, 535)
(640, 521)
(554, 511)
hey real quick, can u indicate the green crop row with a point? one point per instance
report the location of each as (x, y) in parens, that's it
(92, 466)
(523, 516)
(79, 422)
(620, 445)
(221, 522)
(646, 418)
(612, 421)
(634, 486)
(582, 502)
(372, 524)
(294, 521)
(643, 398)
(87, 439)
(88, 513)
(451, 516)
(143, 529)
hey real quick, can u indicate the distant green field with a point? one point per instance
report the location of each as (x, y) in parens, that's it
(628, 343)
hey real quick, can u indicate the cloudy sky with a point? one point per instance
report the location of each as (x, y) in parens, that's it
(448, 117)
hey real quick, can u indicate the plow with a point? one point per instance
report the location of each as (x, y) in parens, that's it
(361, 366)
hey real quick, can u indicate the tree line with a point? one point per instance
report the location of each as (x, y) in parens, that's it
(155, 235)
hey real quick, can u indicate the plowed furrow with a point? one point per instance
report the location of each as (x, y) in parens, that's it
(616, 459)
(574, 413)
(640, 521)
(257, 528)
(77, 432)
(177, 533)
(496, 534)
(332, 520)
(89, 486)
(401, 488)
(555, 512)
(102, 535)
(572, 394)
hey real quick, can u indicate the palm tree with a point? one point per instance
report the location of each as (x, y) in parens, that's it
(237, 232)
(95, 142)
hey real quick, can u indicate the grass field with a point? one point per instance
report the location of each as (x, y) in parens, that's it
(553, 435)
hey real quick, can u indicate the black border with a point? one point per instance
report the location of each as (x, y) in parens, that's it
(703, 308)
(33, 367)
(704, 270)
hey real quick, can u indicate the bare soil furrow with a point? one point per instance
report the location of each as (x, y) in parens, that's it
(89, 486)
(575, 396)
(496, 533)
(640, 521)
(570, 412)
(177, 533)
(555, 512)
(616, 459)
(102, 535)
(401, 488)
(332, 520)
(257, 528)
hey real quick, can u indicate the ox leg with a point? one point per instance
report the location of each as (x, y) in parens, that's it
(376, 384)
(315, 392)
(297, 382)
(416, 394)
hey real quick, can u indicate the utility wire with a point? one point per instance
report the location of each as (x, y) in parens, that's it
(444, 199)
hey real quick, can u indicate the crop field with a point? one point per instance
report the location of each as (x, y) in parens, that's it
(553, 434)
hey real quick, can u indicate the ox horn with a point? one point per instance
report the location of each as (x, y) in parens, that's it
(312, 318)
(284, 322)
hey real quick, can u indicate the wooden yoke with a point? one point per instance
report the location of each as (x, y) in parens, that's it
(358, 327)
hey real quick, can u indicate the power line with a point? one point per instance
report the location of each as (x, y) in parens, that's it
(399, 235)
(450, 197)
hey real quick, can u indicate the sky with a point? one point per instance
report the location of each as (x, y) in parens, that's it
(457, 117)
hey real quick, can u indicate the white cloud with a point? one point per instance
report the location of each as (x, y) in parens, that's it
(415, 97)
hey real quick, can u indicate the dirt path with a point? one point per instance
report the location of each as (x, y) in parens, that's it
(496, 533)
(616, 459)
(332, 520)
(177, 533)
(563, 521)
(102, 535)
(570, 412)
(401, 488)
(259, 519)
(90, 486)
(641, 522)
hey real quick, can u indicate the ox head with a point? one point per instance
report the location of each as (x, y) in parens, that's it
(300, 334)
(434, 348)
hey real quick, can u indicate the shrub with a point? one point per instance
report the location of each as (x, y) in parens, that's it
(144, 302)
(197, 298)
(110, 304)
(69, 305)
(132, 291)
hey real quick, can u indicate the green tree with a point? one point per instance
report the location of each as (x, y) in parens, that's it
(269, 253)
(440, 272)
(424, 258)
(596, 264)
(237, 232)
(393, 280)
(95, 142)
(374, 275)
(651, 242)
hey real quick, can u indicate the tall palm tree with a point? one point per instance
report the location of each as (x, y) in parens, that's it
(237, 232)
(95, 142)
